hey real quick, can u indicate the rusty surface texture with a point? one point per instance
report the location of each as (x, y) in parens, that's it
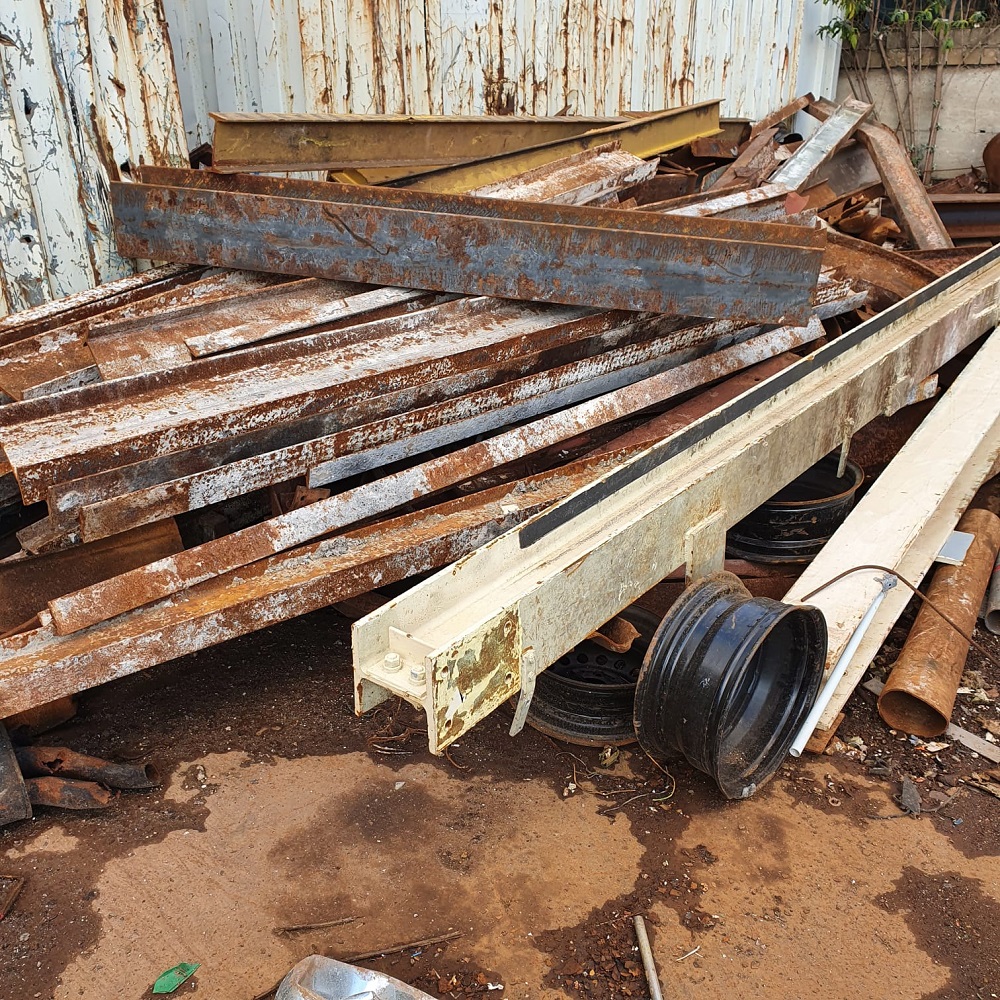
(969, 216)
(61, 762)
(704, 275)
(193, 566)
(917, 211)
(38, 666)
(919, 694)
(67, 793)
(244, 142)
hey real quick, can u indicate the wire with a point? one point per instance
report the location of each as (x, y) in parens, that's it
(916, 590)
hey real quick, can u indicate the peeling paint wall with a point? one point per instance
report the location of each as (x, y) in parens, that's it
(540, 57)
(86, 88)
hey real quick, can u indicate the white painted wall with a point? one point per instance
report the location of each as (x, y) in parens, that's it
(540, 57)
(970, 111)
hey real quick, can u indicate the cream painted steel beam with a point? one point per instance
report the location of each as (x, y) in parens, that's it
(458, 643)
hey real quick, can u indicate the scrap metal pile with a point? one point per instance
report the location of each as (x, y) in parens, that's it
(332, 387)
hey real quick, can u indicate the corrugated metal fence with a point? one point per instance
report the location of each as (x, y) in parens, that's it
(89, 85)
(86, 87)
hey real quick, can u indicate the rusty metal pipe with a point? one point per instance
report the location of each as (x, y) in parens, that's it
(920, 693)
(61, 762)
(66, 793)
(991, 610)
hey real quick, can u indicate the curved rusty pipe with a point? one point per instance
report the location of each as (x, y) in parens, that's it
(61, 762)
(66, 793)
(920, 693)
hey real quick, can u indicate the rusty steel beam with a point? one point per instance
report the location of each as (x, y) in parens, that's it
(915, 208)
(834, 132)
(756, 162)
(186, 569)
(245, 142)
(92, 301)
(889, 276)
(179, 480)
(435, 343)
(781, 114)
(39, 666)
(634, 270)
(645, 136)
(408, 432)
(582, 179)
(969, 216)
(479, 206)
(68, 496)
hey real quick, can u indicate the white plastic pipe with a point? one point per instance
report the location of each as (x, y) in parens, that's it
(809, 726)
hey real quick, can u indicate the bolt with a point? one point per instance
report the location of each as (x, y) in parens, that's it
(392, 662)
(418, 674)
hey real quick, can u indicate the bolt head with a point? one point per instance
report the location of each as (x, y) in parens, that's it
(392, 662)
(418, 673)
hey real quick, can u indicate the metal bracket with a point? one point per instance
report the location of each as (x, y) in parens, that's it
(529, 671)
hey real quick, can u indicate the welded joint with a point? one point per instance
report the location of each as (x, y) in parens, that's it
(705, 547)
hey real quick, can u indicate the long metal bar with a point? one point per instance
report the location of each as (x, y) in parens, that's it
(508, 258)
(69, 495)
(245, 142)
(182, 480)
(969, 216)
(39, 666)
(915, 208)
(186, 569)
(477, 205)
(644, 137)
(544, 587)
(833, 133)
(466, 334)
(409, 431)
(80, 305)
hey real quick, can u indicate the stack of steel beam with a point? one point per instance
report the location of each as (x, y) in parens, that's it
(332, 387)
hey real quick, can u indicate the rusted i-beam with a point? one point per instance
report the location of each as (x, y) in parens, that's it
(766, 279)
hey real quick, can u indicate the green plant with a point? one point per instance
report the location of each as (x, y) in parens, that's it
(916, 23)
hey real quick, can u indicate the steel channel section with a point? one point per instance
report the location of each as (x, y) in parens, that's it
(833, 133)
(975, 216)
(38, 666)
(644, 137)
(638, 271)
(257, 142)
(409, 432)
(159, 579)
(543, 587)
(469, 333)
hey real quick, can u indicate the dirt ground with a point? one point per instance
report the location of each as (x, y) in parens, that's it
(280, 808)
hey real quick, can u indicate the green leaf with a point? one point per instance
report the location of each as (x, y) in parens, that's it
(174, 977)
